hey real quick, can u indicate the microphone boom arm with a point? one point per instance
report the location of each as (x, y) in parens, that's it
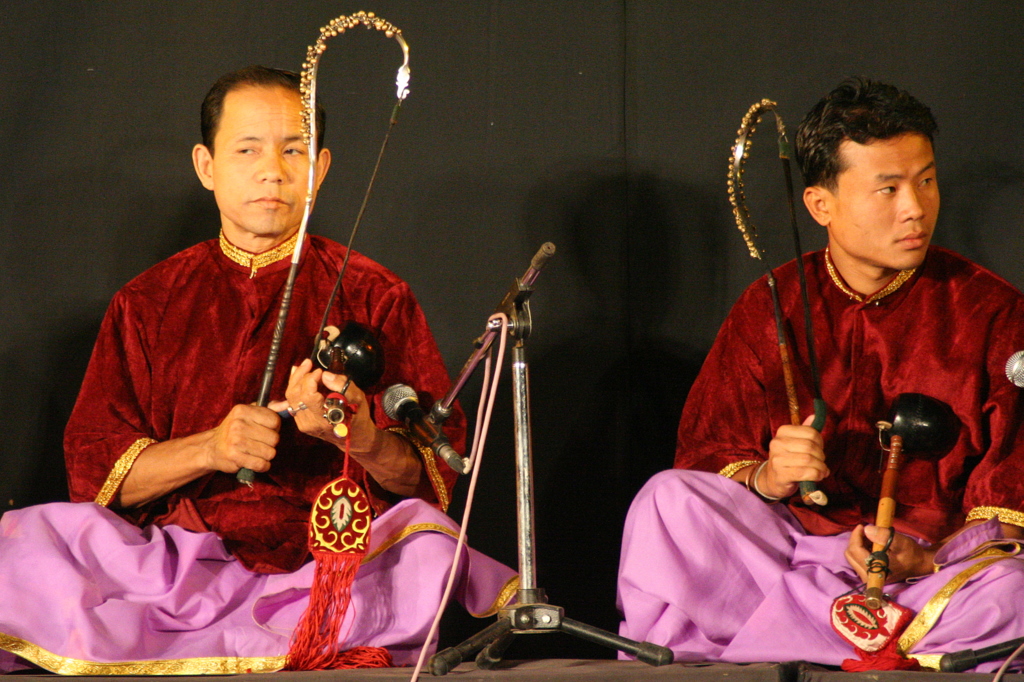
(516, 306)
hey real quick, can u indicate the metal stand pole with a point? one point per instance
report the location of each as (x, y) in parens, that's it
(525, 509)
(531, 614)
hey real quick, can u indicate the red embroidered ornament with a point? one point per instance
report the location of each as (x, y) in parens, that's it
(873, 633)
(339, 534)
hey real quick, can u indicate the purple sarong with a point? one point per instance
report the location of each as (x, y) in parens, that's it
(84, 592)
(712, 572)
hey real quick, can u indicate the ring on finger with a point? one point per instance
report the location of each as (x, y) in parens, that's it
(294, 410)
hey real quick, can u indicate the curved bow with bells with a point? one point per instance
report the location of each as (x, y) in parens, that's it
(737, 197)
(307, 90)
(341, 515)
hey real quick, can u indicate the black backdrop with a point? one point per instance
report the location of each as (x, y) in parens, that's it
(601, 125)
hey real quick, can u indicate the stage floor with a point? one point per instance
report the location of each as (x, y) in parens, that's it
(579, 670)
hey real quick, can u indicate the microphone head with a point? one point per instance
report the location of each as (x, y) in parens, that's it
(1015, 369)
(395, 397)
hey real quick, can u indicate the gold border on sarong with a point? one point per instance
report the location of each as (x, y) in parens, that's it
(62, 665)
(929, 614)
(212, 665)
(928, 661)
(503, 598)
(504, 595)
(121, 468)
(403, 534)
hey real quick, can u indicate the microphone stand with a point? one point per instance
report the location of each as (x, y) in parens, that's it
(958, 661)
(531, 614)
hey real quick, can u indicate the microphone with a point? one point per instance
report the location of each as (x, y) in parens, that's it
(1015, 369)
(402, 404)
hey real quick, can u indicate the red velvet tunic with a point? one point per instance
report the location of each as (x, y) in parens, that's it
(188, 339)
(947, 332)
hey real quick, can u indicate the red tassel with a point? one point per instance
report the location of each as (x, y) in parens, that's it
(886, 658)
(318, 636)
(339, 533)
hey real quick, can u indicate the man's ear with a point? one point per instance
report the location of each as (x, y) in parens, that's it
(202, 161)
(818, 201)
(323, 162)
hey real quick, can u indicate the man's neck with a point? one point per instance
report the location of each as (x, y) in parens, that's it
(253, 243)
(865, 279)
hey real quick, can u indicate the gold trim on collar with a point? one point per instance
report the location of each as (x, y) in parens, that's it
(889, 288)
(1014, 518)
(255, 261)
(430, 462)
(181, 666)
(121, 468)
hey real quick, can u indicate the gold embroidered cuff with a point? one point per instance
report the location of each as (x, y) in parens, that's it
(1014, 518)
(731, 470)
(430, 462)
(121, 468)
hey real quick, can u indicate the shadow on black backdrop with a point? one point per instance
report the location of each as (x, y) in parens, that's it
(65, 350)
(67, 355)
(607, 394)
(982, 214)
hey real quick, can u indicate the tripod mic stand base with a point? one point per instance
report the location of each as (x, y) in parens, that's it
(537, 618)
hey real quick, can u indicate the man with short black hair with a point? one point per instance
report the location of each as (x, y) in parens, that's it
(720, 559)
(168, 561)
